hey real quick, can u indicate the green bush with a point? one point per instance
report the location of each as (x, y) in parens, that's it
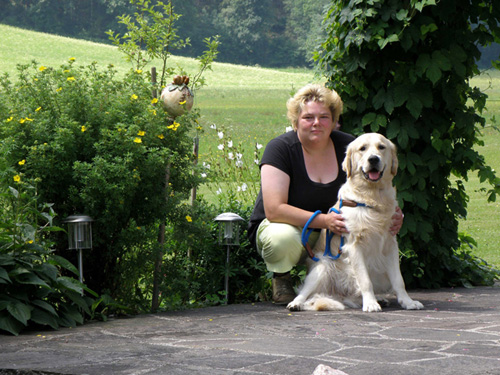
(404, 70)
(97, 145)
(34, 291)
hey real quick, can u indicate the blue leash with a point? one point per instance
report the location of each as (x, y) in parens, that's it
(306, 232)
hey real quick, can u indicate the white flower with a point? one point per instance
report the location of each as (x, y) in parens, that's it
(230, 144)
(206, 165)
(213, 126)
(256, 161)
(204, 175)
(259, 146)
(230, 155)
(221, 135)
(288, 129)
(219, 191)
(239, 156)
(244, 187)
(239, 163)
(220, 147)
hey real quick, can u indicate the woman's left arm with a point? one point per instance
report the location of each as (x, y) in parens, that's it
(397, 221)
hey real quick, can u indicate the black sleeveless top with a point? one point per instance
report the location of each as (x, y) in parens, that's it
(285, 153)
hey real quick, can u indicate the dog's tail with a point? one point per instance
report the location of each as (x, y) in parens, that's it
(321, 302)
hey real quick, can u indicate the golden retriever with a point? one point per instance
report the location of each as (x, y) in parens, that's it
(369, 262)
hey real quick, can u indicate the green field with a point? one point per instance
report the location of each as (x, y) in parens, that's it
(249, 102)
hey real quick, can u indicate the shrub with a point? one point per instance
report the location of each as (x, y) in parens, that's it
(98, 145)
(34, 292)
(404, 71)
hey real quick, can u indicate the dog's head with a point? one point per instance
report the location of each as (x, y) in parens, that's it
(371, 158)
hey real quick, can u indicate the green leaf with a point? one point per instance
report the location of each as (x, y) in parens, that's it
(390, 39)
(441, 61)
(403, 138)
(70, 284)
(44, 305)
(425, 29)
(423, 63)
(433, 73)
(44, 318)
(368, 118)
(6, 260)
(31, 279)
(393, 129)
(379, 99)
(57, 260)
(414, 106)
(4, 275)
(20, 311)
(9, 324)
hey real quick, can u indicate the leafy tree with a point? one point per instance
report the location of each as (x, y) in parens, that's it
(403, 69)
(303, 24)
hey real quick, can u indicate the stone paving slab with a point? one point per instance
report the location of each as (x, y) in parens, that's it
(458, 332)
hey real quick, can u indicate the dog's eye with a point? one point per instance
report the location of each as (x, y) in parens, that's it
(362, 148)
(381, 147)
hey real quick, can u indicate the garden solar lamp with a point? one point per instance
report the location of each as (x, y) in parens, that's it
(229, 235)
(79, 236)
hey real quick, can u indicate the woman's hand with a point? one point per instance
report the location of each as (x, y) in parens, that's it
(397, 221)
(335, 223)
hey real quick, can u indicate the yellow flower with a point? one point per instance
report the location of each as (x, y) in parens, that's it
(59, 89)
(42, 68)
(189, 219)
(134, 97)
(39, 108)
(182, 103)
(141, 133)
(174, 126)
(83, 128)
(17, 178)
(9, 119)
(72, 59)
(22, 162)
(154, 101)
(138, 140)
(66, 71)
(138, 71)
(70, 79)
(161, 136)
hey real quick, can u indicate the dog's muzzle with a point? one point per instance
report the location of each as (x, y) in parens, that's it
(374, 173)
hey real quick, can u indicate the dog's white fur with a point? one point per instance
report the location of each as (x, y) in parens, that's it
(369, 263)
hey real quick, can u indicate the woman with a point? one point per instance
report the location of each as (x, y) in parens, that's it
(301, 173)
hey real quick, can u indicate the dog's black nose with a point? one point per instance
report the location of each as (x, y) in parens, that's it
(373, 160)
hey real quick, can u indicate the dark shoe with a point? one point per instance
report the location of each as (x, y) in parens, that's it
(283, 292)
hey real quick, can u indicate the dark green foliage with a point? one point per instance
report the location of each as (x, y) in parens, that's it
(403, 70)
(33, 289)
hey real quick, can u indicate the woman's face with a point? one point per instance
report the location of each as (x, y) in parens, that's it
(315, 123)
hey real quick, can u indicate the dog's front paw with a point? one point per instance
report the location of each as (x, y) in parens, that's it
(412, 305)
(293, 306)
(371, 306)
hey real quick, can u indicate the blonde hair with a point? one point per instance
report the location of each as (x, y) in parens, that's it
(314, 93)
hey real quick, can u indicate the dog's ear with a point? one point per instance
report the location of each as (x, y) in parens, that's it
(395, 163)
(347, 163)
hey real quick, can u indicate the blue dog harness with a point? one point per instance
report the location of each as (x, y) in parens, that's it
(306, 232)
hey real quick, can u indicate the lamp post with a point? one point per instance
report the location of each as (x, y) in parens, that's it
(79, 236)
(229, 235)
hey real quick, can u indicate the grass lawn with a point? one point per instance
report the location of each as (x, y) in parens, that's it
(249, 102)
